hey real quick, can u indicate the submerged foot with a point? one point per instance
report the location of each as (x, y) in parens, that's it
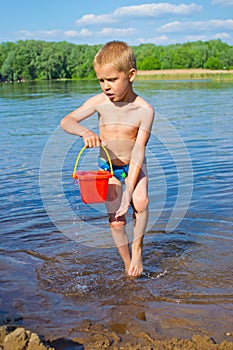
(136, 266)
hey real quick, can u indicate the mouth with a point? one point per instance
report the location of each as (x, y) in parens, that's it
(110, 96)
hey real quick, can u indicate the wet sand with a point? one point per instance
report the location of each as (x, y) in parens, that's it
(96, 336)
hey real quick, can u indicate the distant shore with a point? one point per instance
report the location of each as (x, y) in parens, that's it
(169, 74)
(197, 73)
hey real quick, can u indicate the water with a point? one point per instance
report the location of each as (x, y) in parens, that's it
(59, 267)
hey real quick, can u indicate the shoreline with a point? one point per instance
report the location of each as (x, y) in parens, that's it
(162, 74)
(191, 73)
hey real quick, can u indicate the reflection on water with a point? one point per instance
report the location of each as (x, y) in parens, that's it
(52, 283)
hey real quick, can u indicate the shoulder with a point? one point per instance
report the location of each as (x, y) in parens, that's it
(146, 110)
(88, 108)
(143, 103)
(95, 100)
(146, 113)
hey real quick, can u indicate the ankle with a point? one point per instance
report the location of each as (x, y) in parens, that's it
(137, 246)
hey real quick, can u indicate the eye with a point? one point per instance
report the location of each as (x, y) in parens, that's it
(112, 80)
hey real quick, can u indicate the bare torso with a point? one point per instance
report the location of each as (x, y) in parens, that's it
(122, 126)
(119, 124)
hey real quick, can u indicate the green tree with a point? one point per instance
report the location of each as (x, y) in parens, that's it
(181, 58)
(24, 65)
(213, 63)
(5, 48)
(50, 64)
(150, 63)
(8, 67)
(226, 58)
(34, 59)
(166, 58)
(200, 55)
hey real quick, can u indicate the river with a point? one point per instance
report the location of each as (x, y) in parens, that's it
(59, 268)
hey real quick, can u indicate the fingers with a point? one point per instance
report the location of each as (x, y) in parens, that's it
(125, 204)
(92, 141)
(122, 210)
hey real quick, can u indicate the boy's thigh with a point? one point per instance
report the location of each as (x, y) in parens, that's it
(114, 200)
(141, 189)
(142, 182)
(114, 195)
(140, 194)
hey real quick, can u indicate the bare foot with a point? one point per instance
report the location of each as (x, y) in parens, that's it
(136, 265)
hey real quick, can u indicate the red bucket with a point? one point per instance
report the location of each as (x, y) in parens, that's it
(93, 184)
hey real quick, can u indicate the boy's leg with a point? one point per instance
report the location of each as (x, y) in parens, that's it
(121, 240)
(140, 204)
(118, 228)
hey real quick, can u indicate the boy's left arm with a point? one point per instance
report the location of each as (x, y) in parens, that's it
(136, 162)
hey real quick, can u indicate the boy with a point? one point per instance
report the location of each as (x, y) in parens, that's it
(125, 121)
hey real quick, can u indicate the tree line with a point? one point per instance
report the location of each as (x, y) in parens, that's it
(40, 60)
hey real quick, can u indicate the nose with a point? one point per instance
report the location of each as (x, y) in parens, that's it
(106, 85)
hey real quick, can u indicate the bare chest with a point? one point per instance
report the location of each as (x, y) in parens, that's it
(118, 124)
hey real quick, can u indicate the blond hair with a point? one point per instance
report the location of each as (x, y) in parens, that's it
(118, 54)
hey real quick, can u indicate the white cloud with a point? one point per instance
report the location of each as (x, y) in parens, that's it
(53, 34)
(158, 40)
(222, 2)
(196, 38)
(39, 34)
(143, 10)
(85, 33)
(156, 9)
(165, 40)
(71, 33)
(116, 32)
(143, 24)
(222, 36)
(24, 34)
(197, 26)
(91, 19)
(49, 33)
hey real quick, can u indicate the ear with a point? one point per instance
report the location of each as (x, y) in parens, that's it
(132, 74)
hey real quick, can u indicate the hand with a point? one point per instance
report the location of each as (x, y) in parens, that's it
(125, 204)
(91, 139)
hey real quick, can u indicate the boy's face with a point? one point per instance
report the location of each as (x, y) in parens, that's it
(116, 85)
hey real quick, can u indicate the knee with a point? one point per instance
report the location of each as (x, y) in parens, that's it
(140, 203)
(116, 223)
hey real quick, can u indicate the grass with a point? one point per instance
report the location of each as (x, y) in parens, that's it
(171, 74)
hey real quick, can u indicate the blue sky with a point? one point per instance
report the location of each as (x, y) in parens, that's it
(134, 21)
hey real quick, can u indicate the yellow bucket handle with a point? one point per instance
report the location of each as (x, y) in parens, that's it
(80, 153)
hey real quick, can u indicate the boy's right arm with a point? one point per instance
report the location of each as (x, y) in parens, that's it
(71, 123)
